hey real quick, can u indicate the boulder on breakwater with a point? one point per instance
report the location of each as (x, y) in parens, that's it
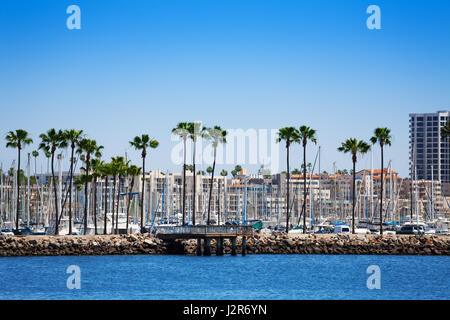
(276, 243)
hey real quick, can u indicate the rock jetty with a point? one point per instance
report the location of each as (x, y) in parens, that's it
(276, 243)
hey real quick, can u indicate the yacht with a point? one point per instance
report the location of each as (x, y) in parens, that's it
(63, 227)
(133, 227)
(442, 226)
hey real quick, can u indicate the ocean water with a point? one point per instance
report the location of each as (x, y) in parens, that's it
(254, 277)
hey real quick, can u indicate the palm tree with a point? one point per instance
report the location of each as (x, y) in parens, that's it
(182, 130)
(383, 137)
(132, 171)
(194, 129)
(143, 143)
(88, 147)
(51, 141)
(18, 139)
(73, 137)
(216, 135)
(290, 135)
(306, 133)
(97, 166)
(354, 146)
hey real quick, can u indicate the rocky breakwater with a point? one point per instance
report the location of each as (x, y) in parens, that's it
(276, 243)
(16, 246)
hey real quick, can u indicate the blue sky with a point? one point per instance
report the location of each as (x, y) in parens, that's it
(142, 66)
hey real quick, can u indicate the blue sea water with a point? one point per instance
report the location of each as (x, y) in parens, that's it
(254, 277)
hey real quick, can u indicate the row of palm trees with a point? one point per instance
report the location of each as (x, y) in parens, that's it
(291, 135)
(90, 154)
(194, 131)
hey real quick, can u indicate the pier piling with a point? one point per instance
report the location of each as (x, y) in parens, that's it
(199, 246)
(244, 246)
(207, 247)
(219, 246)
(233, 246)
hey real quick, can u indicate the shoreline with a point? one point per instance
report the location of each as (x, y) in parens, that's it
(277, 243)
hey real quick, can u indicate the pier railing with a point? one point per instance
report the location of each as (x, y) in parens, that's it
(205, 230)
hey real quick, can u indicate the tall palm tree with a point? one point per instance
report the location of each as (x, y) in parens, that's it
(50, 142)
(383, 137)
(18, 139)
(289, 135)
(217, 135)
(132, 171)
(306, 133)
(73, 138)
(96, 165)
(143, 143)
(182, 130)
(89, 147)
(194, 129)
(354, 146)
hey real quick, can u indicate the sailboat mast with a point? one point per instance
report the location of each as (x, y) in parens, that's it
(415, 192)
(28, 190)
(320, 193)
(431, 200)
(371, 183)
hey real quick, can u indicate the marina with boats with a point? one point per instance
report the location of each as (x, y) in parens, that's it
(258, 200)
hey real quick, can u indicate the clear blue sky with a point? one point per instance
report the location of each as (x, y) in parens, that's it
(142, 66)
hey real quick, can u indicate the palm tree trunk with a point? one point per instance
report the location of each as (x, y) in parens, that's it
(287, 191)
(304, 188)
(211, 188)
(184, 184)
(106, 206)
(18, 189)
(353, 198)
(37, 187)
(381, 195)
(143, 189)
(56, 195)
(129, 201)
(70, 190)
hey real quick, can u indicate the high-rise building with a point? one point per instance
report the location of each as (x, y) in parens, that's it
(428, 150)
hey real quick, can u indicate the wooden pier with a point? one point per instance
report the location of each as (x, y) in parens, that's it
(205, 234)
